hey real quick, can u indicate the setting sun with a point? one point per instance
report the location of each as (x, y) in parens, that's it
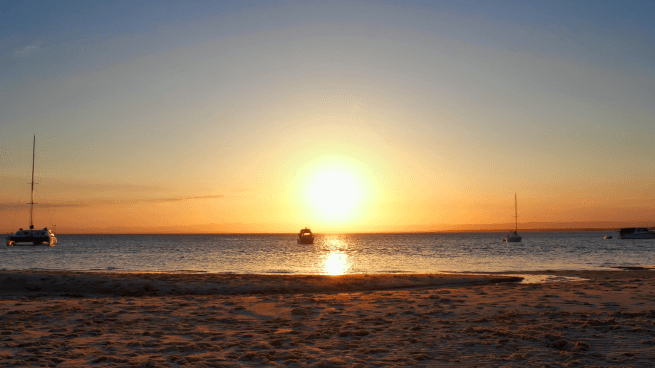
(335, 193)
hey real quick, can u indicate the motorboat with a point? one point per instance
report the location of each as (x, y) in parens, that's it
(514, 238)
(305, 236)
(636, 233)
(32, 236)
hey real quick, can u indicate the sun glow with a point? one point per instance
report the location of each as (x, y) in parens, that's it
(335, 194)
(336, 264)
(337, 261)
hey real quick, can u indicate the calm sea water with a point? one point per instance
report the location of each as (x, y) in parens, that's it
(332, 254)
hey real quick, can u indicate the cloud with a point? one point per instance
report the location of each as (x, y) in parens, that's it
(26, 51)
(157, 200)
(177, 199)
(13, 206)
(153, 200)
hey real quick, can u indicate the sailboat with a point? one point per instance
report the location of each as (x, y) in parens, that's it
(32, 236)
(514, 238)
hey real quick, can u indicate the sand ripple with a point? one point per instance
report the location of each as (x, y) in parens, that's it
(607, 320)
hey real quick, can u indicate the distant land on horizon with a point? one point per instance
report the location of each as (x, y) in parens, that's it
(553, 226)
(435, 228)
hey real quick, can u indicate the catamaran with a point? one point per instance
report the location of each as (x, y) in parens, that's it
(514, 238)
(32, 236)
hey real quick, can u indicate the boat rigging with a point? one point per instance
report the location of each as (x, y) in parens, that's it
(31, 236)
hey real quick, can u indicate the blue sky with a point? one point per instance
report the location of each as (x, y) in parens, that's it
(49, 37)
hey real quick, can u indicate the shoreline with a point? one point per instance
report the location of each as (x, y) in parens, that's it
(100, 283)
(455, 320)
(47, 283)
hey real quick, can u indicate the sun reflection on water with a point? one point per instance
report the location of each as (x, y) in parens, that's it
(336, 264)
(336, 261)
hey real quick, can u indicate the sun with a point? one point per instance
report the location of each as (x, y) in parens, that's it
(335, 193)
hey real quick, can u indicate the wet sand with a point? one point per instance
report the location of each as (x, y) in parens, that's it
(72, 319)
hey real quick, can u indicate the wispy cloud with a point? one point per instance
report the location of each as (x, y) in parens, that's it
(13, 206)
(26, 51)
(98, 202)
(156, 199)
(177, 199)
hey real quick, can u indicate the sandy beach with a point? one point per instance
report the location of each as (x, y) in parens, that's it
(70, 319)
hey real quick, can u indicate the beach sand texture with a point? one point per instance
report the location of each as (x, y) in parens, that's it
(71, 319)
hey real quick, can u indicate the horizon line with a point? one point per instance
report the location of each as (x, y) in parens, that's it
(355, 233)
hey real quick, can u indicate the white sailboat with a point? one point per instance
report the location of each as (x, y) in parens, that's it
(31, 236)
(514, 238)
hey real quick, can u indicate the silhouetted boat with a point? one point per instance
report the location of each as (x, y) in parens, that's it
(305, 236)
(514, 238)
(31, 236)
(636, 233)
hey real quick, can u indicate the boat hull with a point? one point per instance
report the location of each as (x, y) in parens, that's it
(512, 239)
(637, 236)
(30, 240)
(636, 233)
(305, 236)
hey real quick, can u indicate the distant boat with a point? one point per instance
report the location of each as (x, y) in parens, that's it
(514, 238)
(31, 236)
(608, 237)
(636, 233)
(305, 236)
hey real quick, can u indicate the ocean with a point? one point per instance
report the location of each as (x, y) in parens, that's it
(332, 254)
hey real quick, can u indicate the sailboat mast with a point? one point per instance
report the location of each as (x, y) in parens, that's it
(32, 192)
(516, 216)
